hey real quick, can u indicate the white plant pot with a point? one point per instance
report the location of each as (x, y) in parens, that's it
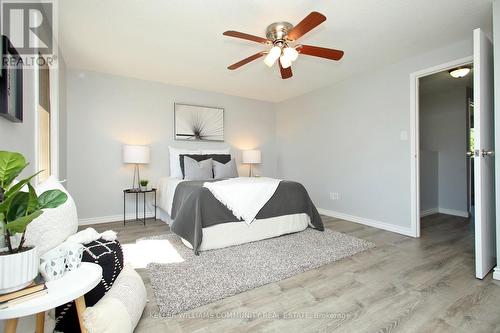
(18, 270)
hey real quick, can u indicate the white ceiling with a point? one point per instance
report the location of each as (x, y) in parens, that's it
(180, 42)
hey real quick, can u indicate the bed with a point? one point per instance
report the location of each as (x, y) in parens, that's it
(203, 222)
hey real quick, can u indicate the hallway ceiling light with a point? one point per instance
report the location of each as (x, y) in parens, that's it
(459, 72)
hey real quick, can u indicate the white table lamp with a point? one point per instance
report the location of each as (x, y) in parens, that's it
(251, 157)
(136, 155)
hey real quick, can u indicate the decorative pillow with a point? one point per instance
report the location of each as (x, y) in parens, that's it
(108, 255)
(222, 158)
(121, 308)
(198, 170)
(54, 225)
(175, 169)
(227, 170)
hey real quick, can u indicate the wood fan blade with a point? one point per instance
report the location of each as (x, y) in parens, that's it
(310, 22)
(321, 52)
(286, 73)
(242, 35)
(246, 60)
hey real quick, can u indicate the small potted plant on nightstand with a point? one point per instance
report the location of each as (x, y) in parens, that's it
(144, 184)
(19, 263)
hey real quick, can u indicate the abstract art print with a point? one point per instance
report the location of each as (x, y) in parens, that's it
(198, 123)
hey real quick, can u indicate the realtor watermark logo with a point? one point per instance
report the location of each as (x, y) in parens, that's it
(29, 27)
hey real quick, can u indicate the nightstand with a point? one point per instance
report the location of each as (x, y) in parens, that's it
(137, 192)
(72, 286)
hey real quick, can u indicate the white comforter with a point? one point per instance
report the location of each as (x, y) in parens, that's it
(244, 196)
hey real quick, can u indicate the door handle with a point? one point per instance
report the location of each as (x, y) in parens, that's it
(469, 153)
(489, 153)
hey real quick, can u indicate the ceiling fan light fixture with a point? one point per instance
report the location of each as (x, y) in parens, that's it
(272, 56)
(279, 35)
(285, 61)
(290, 53)
(459, 72)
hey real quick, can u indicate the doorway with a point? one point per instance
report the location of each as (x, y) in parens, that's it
(415, 134)
(484, 155)
(446, 132)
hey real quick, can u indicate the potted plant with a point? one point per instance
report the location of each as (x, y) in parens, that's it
(19, 263)
(144, 184)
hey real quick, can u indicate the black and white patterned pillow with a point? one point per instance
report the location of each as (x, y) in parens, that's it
(108, 255)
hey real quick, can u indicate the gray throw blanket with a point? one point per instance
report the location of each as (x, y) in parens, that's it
(194, 207)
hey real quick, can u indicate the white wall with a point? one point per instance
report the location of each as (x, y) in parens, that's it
(429, 182)
(443, 130)
(106, 111)
(346, 138)
(20, 137)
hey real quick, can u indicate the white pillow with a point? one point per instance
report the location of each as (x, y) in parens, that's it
(54, 225)
(121, 308)
(175, 164)
(216, 151)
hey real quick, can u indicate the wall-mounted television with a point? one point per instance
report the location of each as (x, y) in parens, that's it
(11, 83)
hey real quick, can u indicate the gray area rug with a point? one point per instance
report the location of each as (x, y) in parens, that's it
(218, 274)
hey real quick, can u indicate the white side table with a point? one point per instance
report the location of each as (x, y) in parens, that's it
(72, 286)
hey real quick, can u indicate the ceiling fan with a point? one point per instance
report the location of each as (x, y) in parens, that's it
(281, 35)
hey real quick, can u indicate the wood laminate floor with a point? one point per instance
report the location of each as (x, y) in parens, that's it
(401, 285)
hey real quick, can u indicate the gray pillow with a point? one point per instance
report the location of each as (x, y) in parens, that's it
(227, 170)
(194, 170)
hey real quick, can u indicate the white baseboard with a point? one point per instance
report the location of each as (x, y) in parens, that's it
(428, 212)
(407, 231)
(496, 273)
(453, 212)
(111, 218)
(446, 211)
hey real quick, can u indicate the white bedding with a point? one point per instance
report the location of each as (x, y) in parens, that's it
(166, 189)
(235, 233)
(244, 196)
(232, 233)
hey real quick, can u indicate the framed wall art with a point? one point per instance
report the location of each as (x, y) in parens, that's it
(198, 123)
(11, 83)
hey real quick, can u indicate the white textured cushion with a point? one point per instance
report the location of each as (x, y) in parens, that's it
(84, 237)
(54, 225)
(121, 308)
(175, 164)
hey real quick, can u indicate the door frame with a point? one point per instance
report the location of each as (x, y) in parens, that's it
(415, 135)
(54, 111)
(54, 119)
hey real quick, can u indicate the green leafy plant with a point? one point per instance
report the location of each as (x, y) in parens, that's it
(144, 182)
(19, 208)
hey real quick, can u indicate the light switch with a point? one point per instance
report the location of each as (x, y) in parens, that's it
(403, 136)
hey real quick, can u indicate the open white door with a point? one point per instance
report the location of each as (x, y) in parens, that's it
(484, 155)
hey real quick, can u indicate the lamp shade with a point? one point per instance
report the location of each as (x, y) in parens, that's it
(272, 56)
(252, 156)
(136, 154)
